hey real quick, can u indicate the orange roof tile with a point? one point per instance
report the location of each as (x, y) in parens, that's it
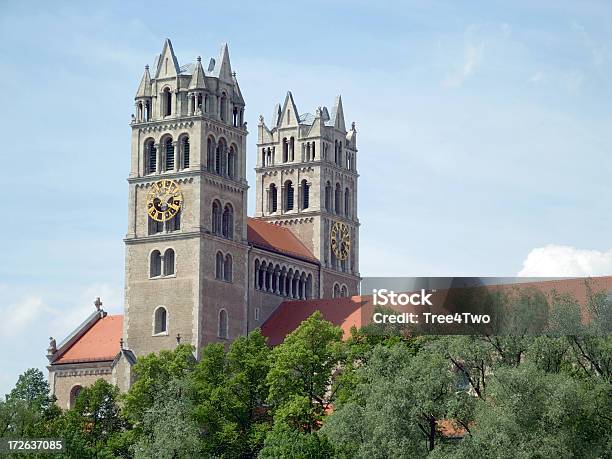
(278, 239)
(345, 312)
(99, 343)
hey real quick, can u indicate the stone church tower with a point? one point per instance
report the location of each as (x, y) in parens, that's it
(189, 129)
(307, 182)
(197, 268)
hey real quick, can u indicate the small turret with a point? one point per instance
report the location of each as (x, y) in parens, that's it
(143, 98)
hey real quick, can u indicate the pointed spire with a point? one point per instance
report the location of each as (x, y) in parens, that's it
(337, 116)
(224, 69)
(276, 115)
(197, 79)
(167, 65)
(290, 115)
(144, 89)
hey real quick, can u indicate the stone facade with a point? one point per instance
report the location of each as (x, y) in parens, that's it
(198, 278)
(311, 160)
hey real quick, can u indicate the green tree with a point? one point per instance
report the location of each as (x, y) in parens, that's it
(396, 406)
(529, 413)
(301, 377)
(283, 442)
(93, 424)
(153, 373)
(230, 391)
(28, 407)
(169, 429)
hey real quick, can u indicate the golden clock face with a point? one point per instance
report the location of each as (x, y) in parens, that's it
(164, 200)
(340, 240)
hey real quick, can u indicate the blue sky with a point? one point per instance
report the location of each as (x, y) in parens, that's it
(484, 135)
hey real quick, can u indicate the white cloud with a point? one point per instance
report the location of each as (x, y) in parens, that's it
(19, 315)
(538, 77)
(473, 55)
(560, 260)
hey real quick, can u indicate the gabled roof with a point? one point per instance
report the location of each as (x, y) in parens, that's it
(337, 115)
(100, 342)
(222, 69)
(277, 239)
(289, 106)
(167, 53)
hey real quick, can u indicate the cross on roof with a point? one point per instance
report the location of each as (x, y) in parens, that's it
(98, 303)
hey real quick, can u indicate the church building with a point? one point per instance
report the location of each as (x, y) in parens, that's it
(198, 269)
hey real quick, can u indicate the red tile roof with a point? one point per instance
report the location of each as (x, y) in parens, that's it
(277, 239)
(345, 312)
(99, 343)
(358, 310)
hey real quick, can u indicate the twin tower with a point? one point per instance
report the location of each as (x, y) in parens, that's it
(197, 268)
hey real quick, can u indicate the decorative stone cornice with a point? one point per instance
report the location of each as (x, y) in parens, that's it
(83, 372)
(165, 125)
(178, 179)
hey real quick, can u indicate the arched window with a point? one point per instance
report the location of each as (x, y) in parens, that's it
(169, 150)
(227, 268)
(160, 321)
(167, 98)
(339, 153)
(288, 195)
(216, 217)
(150, 157)
(347, 202)
(155, 264)
(155, 227)
(223, 107)
(74, 393)
(305, 194)
(228, 222)
(174, 224)
(291, 149)
(338, 200)
(336, 293)
(219, 156)
(285, 150)
(328, 198)
(185, 152)
(344, 291)
(219, 266)
(169, 262)
(312, 158)
(223, 322)
(231, 162)
(210, 154)
(256, 275)
(309, 287)
(263, 157)
(273, 197)
(336, 151)
(235, 116)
